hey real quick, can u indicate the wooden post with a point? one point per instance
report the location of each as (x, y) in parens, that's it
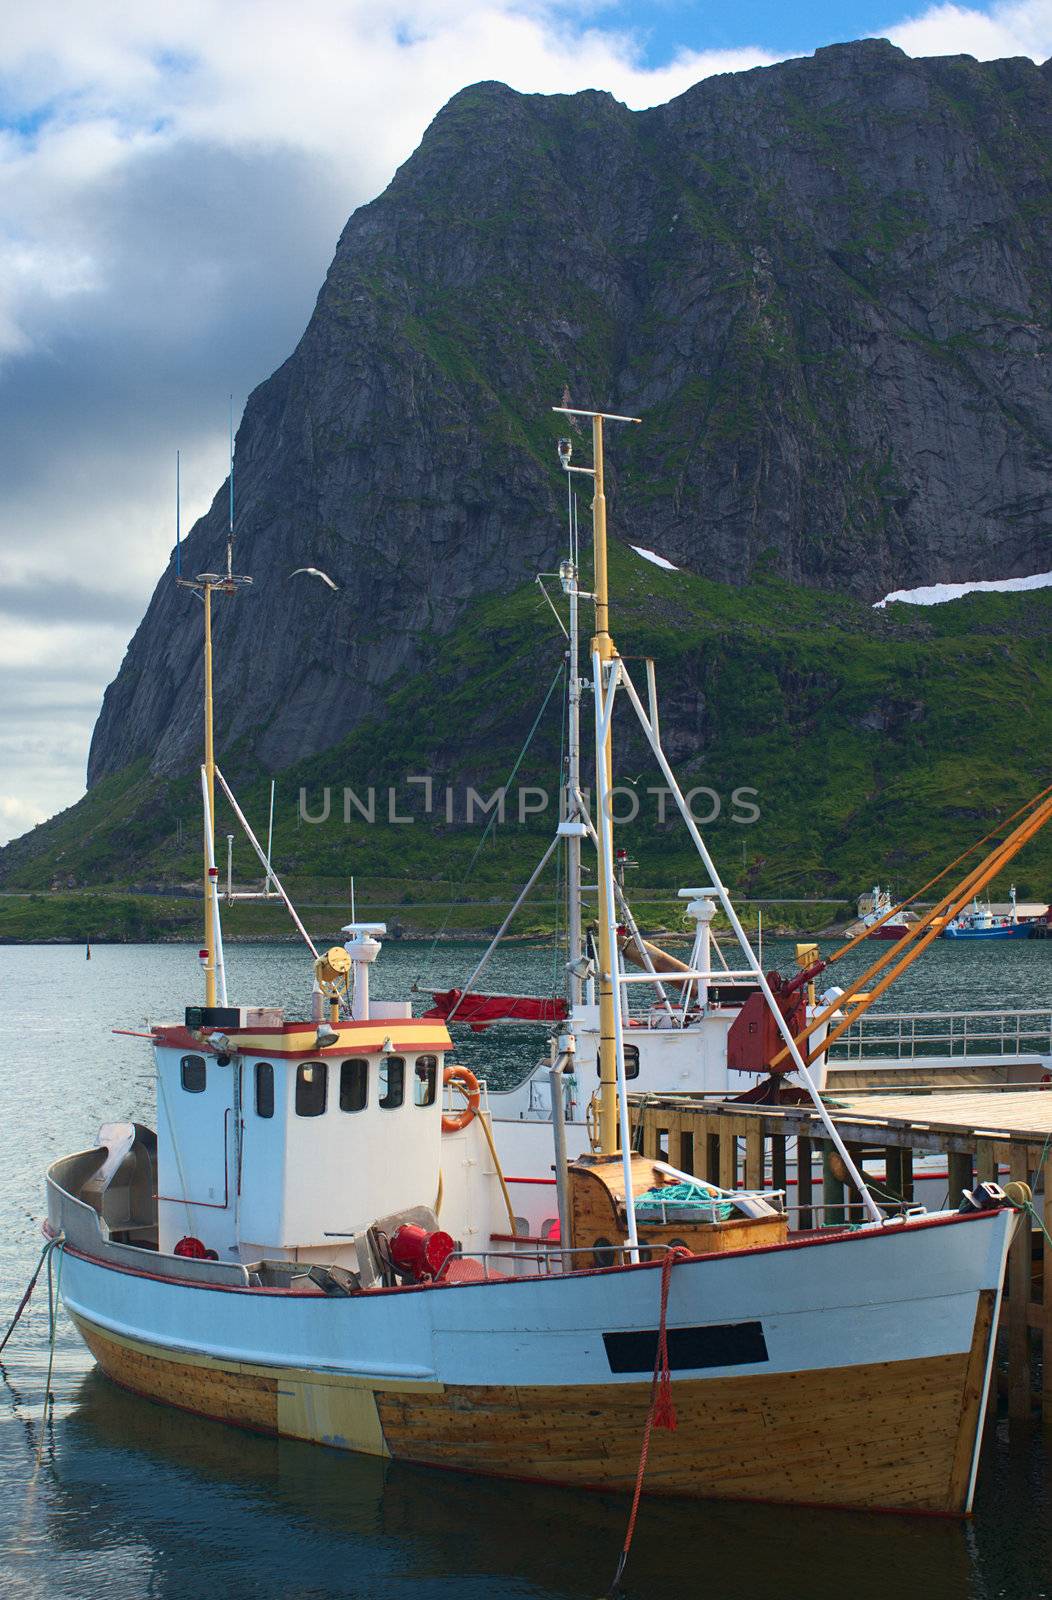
(893, 1171)
(803, 1183)
(712, 1155)
(985, 1162)
(832, 1191)
(1018, 1303)
(686, 1150)
(754, 1155)
(778, 1164)
(854, 1211)
(728, 1178)
(907, 1173)
(960, 1170)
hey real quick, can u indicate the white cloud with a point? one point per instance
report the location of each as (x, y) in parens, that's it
(173, 180)
(1014, 28)
(17, 816)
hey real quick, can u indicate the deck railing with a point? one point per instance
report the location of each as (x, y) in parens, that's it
(910, 1034)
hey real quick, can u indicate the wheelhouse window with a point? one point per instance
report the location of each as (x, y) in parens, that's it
(311, 1085)
(425, 1080)
(392, 1082)
(264, 1089)
(193, 1074)
(631, 1062)
(354, 1084)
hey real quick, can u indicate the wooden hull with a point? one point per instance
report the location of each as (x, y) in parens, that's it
(517, 1379)
(888, 1435)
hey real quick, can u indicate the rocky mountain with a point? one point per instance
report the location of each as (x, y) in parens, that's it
(824, 285)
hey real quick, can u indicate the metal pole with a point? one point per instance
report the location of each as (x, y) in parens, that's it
(212, 894)
(257, 847)
(750, 955)
(270, 839)
(229, 867)
(210, 807)
(555, 1080)
(575, 947)
(602, 654)
(626, 912)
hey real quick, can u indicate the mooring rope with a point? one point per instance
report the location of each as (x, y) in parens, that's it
(45, 1254)
(661, 1413)
(53, 1307)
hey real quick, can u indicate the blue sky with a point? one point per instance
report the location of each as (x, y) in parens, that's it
(173, 180)
(666, 27)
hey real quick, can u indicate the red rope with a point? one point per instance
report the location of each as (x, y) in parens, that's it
(661, 1412)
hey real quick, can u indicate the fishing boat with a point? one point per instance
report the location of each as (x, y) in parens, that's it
(313, 1241)
(980, 922)
(881, 918)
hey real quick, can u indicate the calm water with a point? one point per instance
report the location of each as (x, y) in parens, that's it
(122, 1498)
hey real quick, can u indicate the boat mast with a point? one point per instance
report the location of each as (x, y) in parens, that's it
(209, 819)
(207, 583)
(575, 946)
(603, 651)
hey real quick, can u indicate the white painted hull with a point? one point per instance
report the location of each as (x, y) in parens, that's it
(905, 1302)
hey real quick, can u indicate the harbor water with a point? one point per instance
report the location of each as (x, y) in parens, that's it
(118, 1497)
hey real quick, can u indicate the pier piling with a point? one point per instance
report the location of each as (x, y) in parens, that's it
(980, 1133)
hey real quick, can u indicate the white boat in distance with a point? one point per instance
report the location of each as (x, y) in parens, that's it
(304, 1247)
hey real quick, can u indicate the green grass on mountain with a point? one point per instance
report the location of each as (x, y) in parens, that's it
(878, 744)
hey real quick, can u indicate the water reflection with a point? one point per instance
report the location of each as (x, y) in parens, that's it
(188, 1508)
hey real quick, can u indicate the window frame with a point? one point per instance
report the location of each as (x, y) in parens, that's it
(195, 1062)
(384, 1101)
(428, 1076)
(354, 1061)
(304, 1083)
(631, 1063)
(258, 1099)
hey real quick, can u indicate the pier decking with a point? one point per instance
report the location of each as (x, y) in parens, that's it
(977, 1130)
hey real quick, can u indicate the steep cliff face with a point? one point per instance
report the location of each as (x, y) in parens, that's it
(825, 286)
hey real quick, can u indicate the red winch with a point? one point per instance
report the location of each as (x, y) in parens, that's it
(755, 1039)
(419, 1253)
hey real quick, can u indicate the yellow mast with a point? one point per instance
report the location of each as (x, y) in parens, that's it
(603, 646)
(209, 820)
(205, 583)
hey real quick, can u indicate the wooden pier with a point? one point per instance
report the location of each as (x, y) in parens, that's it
(978, 1133)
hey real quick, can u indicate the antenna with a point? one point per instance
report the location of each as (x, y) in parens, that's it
(230, 530)
(178, 541)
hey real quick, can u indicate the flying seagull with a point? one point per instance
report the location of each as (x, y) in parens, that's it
(316, 572)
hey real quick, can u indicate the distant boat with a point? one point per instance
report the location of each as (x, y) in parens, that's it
(981, 923)
(882, 904)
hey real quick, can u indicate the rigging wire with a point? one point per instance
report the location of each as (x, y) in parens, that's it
(465, 877)
(557, 984)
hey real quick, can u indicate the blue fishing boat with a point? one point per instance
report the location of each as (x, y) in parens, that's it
(981, 923)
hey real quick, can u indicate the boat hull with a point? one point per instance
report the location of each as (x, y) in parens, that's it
(1016, 930)
(852, 1370)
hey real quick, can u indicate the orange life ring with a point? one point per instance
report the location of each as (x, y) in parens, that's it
(465, 1079)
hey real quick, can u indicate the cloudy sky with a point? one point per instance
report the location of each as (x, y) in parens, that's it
(173, 179)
